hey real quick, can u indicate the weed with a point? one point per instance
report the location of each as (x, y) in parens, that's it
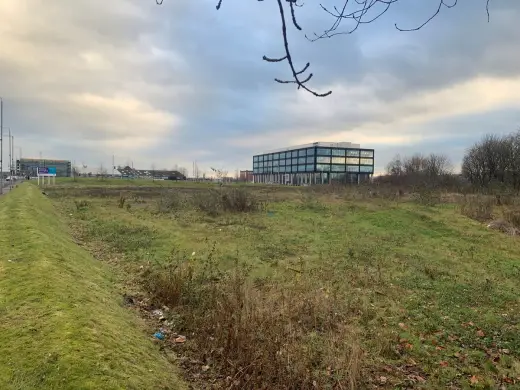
(233, 200)
(262, 335)
(121, 201)
(81, 205)
(477, 207)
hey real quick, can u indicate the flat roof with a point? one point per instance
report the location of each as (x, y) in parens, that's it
(319, 144)
(42, 159)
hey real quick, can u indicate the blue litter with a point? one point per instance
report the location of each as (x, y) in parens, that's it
(270, 213)
(159, 336)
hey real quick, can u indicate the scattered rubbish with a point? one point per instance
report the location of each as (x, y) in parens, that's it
(128, 300)
(193, 254)
(180, 339)
(270, 213)
(10, 260)
(205, 368)
(157, 313)
(159, 336)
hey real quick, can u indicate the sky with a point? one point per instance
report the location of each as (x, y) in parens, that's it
(164, 86)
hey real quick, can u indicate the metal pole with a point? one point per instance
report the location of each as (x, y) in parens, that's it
(10, 167)
(1, 146)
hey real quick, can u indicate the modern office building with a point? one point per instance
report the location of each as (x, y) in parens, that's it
(29, 166)
(316, 163)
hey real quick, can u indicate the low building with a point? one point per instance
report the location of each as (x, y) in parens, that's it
(316, 163)
(246, 176)
(29, 166)
(159, 174)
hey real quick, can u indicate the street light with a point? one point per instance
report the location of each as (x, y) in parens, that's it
(1, 145)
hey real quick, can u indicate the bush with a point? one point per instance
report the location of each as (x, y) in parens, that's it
(235, 200)
(258, 335)
(477, 207)
(81, 205)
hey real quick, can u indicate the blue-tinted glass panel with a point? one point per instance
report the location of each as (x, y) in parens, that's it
(338, 160)
(301, 168)
(310, 160)
(366, 169)
(324, 151)
(352, 168)
(269, 163)
(338, 152)
(338, 168)
(302, 153)
(288, 161)
(294, 153)
(276, 156)
(323, 167)
(269, 157)
(281, 169)
(309, 168)
(367, 153)
(353, 160)
(255, 158)
(366, 161)
(282, 155)
(301, 160)
(275, 169)
(310, 152)
(323, 160)
(275, 163)
(294, 161)
(353, 153)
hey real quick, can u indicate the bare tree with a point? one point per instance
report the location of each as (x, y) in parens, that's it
(183, 171)
(395, 166)
(102, 173)
(357, 12)
(153, 171)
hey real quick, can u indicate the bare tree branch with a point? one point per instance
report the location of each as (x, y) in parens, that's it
(361, 12)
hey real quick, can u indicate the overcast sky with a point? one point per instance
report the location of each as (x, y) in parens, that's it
(165, 85)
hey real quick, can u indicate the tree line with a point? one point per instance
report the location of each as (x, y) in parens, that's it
(493, 161)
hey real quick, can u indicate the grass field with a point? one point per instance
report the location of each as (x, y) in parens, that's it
(315, 290)
(63, 324)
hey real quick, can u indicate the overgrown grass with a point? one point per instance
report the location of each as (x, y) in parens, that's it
(344, 289)
(63, 325)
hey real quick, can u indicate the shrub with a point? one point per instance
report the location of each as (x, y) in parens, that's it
(235, 200)
(121, 201)
(265, 335)
(81, 205)
(476, 207)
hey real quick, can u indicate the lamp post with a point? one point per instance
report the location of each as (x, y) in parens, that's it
(1, 145)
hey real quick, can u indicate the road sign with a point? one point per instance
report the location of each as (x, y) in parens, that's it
(43, 170)
(51, 170)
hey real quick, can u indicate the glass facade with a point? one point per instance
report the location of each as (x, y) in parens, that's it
(316, 159)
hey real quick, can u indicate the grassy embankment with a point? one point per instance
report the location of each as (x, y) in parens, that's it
(63, 324)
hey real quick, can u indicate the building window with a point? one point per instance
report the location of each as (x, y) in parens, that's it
(366, 169)
(255, 158)
(294, 153)
(324, 152)
(338, 152)
(276, 156)
(281, 169)
(366, 161)
(301, 168)
(323, 160)
(352, 168)
(302, 153)
(323, 167)
(294, 161)
(294, 168)
(352, 153)
(275, 163)
(310, 160)
(269, 163)
(338, 168)
(301, 160)
(288, 161)
(309, 168)
(275, 169)
(310, 152)
(353, 160)
(338, 160)
(367, 153)
(269, 157)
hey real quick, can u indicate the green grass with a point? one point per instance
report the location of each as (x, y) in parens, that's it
(63, 325)
(432, 293)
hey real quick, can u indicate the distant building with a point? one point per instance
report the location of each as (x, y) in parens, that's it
(158, 174)
(316, 163)
(246, 176)
(29, 166)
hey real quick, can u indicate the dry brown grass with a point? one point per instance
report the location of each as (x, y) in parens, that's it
(477, 207)
(259, 335)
